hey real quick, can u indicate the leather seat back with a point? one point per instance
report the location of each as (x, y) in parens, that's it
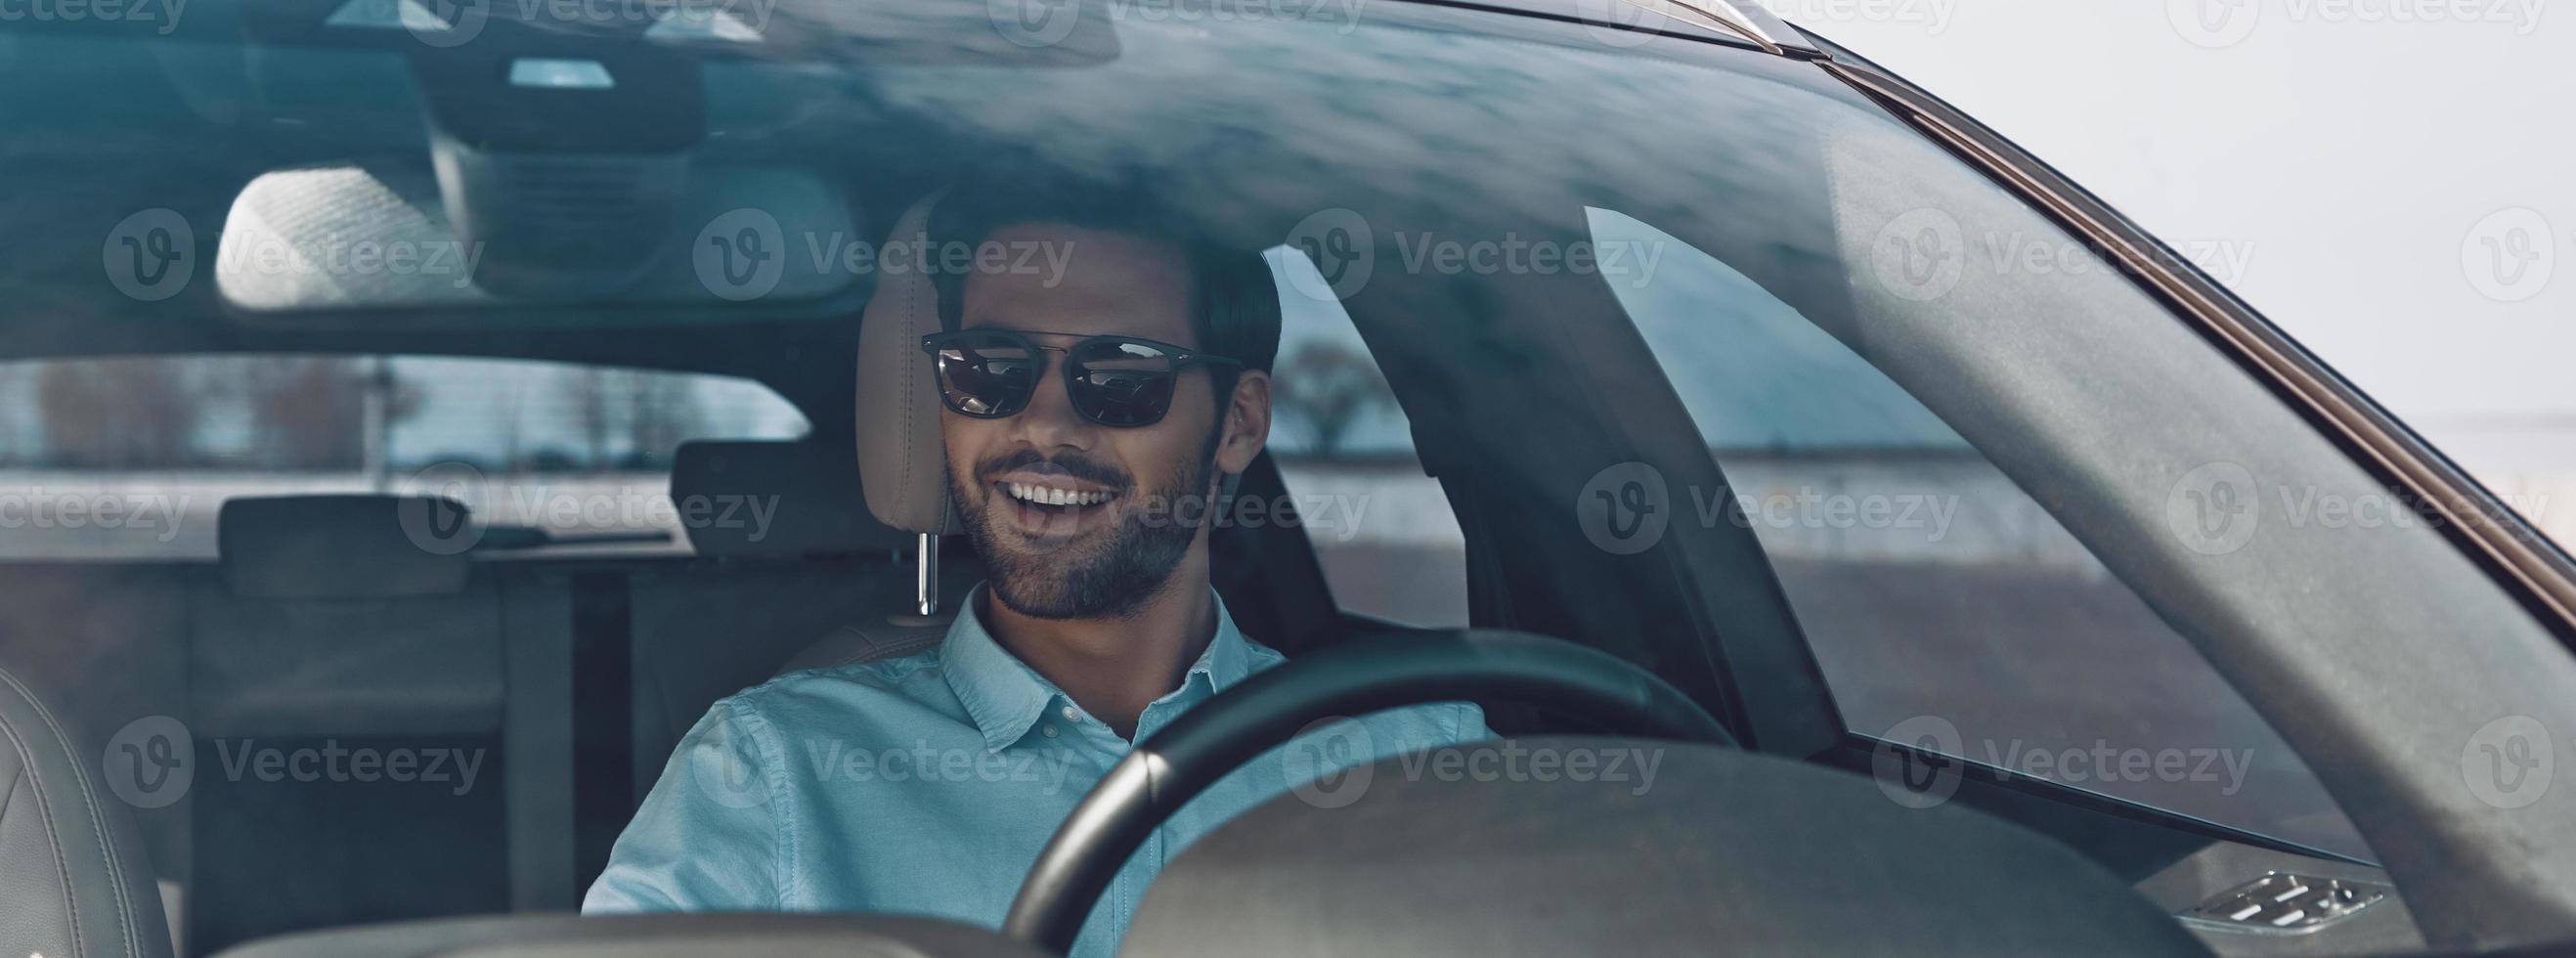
(785, 551)
(339, 629)
(73, 879)
(903, 464)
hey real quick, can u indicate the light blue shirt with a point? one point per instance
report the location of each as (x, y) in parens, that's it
(925, 785)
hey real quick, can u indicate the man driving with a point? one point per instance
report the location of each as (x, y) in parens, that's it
(1092, 419)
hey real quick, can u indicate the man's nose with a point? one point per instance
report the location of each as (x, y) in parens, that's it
(1049, 421)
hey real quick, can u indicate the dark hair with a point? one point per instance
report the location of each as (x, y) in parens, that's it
(1234, 302)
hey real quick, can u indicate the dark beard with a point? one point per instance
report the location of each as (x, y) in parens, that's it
(1094, 577)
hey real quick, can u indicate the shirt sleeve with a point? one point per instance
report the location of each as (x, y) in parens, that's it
(1467, 724)
(711, 834)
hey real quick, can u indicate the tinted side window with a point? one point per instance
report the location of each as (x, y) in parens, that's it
(1944, 604)
(131, 457)
(1389, 545)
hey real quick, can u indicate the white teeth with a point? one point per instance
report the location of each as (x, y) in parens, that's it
(1046, 496)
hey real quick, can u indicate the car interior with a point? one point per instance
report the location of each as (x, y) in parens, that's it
(1747, 341)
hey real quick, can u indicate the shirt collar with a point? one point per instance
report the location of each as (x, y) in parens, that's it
(1006, 697)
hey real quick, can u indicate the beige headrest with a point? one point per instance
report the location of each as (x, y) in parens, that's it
(902, 465)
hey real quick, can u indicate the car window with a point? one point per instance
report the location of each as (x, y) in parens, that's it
(131, 457)
(1943, 602)
(1381, 527)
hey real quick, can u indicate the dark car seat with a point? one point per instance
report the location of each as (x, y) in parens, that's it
(73, 879)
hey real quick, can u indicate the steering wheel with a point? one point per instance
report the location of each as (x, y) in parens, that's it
(1366, 674)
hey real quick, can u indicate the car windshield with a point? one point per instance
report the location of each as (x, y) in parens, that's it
(1655, 343)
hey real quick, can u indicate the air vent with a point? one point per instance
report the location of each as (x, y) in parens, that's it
(2283, 903)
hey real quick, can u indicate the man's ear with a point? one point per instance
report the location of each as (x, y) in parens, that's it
(1247, 423)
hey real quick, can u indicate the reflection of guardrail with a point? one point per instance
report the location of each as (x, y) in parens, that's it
(1854, 506)
(1847, 506)
(80, 515)
(1893, 507)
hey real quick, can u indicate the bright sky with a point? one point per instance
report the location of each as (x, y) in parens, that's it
(2344, 162)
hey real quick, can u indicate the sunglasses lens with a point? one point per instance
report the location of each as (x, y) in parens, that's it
(1121, 384)
(987, 375)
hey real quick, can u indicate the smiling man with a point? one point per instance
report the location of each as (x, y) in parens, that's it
(1091, 421)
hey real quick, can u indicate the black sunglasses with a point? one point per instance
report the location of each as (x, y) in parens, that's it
(1117, 381)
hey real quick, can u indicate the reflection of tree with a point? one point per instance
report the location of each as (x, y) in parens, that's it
(593, 413)
(1329, 386)
(117, 414)
(310, 412)
(14, 433)
(654, 412)
(666, 413)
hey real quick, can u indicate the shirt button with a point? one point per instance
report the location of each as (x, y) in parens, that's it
(1070, 715)
(1047, 730)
